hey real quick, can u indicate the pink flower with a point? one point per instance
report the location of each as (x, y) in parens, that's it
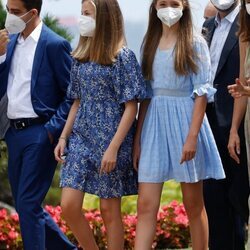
(14, 217)
(12, 235)
(3, 214)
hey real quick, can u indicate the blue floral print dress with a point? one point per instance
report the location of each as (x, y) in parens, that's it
(103, 91)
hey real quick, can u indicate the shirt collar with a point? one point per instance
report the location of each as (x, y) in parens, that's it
(230, 17)
(35, 34)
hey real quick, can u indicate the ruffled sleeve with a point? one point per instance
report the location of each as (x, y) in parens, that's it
(202, 82)
(74, 88)
(129, 83)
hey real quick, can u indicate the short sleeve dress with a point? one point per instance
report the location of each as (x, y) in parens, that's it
(168, 120)
(103, 92)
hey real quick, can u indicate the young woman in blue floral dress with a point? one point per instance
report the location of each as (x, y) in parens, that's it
(106, 83)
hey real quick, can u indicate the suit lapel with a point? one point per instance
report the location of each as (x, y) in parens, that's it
(11, 47)
(232, 39)
(38, 56)
(10, 52)
(209, 31)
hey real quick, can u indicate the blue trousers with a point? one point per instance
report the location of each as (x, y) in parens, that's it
(31, 168)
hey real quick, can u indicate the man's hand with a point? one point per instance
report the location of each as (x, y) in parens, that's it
(234, 146)
(4, 40)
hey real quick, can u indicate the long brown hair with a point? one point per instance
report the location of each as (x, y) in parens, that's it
(184, 52)
(109, 35)
(244, 31)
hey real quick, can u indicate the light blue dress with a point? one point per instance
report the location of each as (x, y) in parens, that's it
(168, 120)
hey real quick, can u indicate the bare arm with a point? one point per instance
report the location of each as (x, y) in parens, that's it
(240, 105)
(141, 117)
(110, 156)
(189, 148)
(59, 150)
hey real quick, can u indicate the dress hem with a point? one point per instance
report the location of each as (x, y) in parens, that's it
(100, 196)
(179, 180)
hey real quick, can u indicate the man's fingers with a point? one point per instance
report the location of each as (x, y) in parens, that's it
(238, 147)
(233, 154)
(236, 158)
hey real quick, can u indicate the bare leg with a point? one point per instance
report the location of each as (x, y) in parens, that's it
(194, 205)
(147, 209)
(71, 203)
(111, 214)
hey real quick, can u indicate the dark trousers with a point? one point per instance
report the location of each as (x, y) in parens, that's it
(226, 203)
(31, 168)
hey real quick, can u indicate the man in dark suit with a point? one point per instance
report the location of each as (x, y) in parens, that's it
(226, 200)
(34, 73)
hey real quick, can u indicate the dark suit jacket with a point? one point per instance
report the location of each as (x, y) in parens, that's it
(220, 115)
(49, 81)
(220, 112)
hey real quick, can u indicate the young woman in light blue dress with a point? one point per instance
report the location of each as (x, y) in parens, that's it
(173, 138)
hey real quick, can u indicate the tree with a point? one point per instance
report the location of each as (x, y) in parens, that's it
(51, 21)
(2, 15)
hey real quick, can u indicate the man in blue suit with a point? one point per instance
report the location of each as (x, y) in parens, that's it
(226, 200)
(34, 73)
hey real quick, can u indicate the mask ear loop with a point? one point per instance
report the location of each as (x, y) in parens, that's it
(25, 15)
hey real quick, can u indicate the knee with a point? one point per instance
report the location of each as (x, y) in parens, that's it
(193, 208)
(69, 210)
(108, 213)
(147, 206)
(28, 208)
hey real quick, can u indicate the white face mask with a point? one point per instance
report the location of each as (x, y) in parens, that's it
(248, 8)
(169, 15)
(222, 4)
(15, 24)
(87, 26)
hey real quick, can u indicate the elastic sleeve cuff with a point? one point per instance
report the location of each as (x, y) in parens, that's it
(204, 89)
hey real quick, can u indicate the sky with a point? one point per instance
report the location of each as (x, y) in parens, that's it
(133, 10)
(135, 14)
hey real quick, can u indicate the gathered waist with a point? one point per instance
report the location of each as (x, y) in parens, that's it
(171, 92)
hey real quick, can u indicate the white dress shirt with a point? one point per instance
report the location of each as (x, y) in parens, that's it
(19, 81)
(221, 32)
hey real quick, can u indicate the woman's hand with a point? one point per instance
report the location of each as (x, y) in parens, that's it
(60, 149)
(189, 149)
(109, 160)
(136, 153)
(238, 89)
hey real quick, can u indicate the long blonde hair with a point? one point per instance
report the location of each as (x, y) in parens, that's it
(184, 52)
(103, 47)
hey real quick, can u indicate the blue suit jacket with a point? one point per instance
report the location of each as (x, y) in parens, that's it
(49, 80)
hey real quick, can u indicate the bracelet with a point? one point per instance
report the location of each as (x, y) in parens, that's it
(62, 138)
